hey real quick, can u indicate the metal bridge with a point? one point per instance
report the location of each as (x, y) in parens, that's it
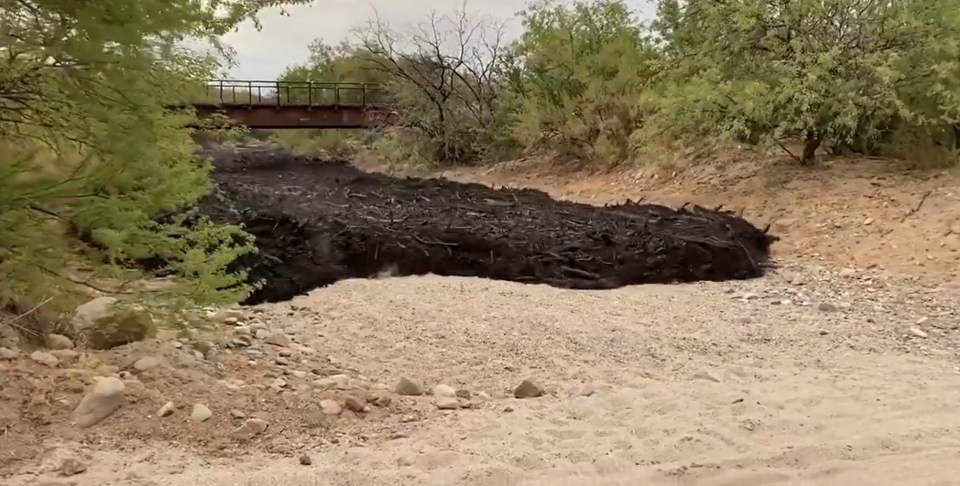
(294, 104)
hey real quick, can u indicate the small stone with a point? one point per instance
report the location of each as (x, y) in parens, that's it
(299, 374)
(444, 391)
(242, 331)
(251, 428)
(406, 460)
(286, 353)
(483, 396)
(7, 354)
(98, 404)
(166, 410)
(588, 390)
(278, 339)
(200, 413)
(464, 394)
(342, 381)
(330, 407)
(261, 333)
(447, 403)
(59, 341)
(355, 404)
(706, 376)
(65, 354)
(826, 307)
(918, 332)
(45, 358)
(237, 414)
(281, 361)
(324, 384)
(305, 460)
(146, 363)
(278, 383)
(72, 467)
(383, 402)
(408, 387)
(528, 389)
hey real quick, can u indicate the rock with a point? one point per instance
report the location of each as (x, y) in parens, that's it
(260, 333)
(72, 467)
(104, 325)
(166, 410)
(242, 331)
(330, 407)
(299, 374)
(706, 376)
(406, 460)
(464, 394)
(251, 428)
(146, 363)
(65, 354)
(528, 389)
(278, 339)
(588, 390)
(98, 404)
(9, 337)
(59, 341)
(355, 404)
(918, 332)
(341, 381)
(237, 414)
(444, 391)
(324, 384)
(447, 403)
(286, 353)
(8, 354)
(305, 460)
(45, 358)
(200, 413)
(383, 402)
(826, 307)
(408, 387)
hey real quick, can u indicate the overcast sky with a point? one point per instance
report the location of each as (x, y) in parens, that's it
(283, 40)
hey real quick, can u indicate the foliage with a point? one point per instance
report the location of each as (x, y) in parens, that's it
(89, 150)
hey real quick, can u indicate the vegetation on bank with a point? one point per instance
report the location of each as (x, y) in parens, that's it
(590, 81)
(89, 156)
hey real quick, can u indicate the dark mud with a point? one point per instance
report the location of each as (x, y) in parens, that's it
(317, 222)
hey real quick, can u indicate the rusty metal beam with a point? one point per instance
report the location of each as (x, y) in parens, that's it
(289, 116)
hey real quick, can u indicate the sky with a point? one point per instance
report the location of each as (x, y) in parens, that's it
(283, 40)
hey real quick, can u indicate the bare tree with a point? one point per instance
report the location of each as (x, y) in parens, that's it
(446, 71)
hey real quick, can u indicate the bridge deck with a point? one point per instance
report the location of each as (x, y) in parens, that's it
(285, 104)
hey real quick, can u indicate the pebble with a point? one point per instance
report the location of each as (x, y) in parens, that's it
(65, 354)
(342, 381)
(166, 409)
(45, 358)
(72, 467)
(237, 414)
(146, 363)
(330, 407)
(59, 341)
(8, 354)
(444, 391)
(588, 390)
(383, 402)
(242, 331)
(251, 428)
(278, 339)
(98, 404)
(286, 353)
(447, 403)
(408, 387)
(918, 332)
(356, 405)
(200, 413)
(826, 307)
(705, 375)
(463, 393)
(528, 389)
(324, 384)
(305, 460)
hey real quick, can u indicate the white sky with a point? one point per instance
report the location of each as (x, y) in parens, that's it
(283, 40)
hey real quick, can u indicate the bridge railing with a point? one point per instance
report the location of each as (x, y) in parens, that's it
(229, 92)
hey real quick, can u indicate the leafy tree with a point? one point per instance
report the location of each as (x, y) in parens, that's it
(580, 70)
(849, 73)
(88, 149)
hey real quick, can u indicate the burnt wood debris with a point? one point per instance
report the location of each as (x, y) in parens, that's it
(318, 221)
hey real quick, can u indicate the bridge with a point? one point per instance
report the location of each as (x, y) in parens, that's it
(296, 104)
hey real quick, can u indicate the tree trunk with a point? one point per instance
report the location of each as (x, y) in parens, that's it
(810, 147)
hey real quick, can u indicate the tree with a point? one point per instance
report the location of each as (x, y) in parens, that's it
(89, 150)
(851, 73)
(445, 77)
(580, 70)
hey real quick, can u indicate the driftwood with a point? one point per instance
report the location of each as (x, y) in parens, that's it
(317, 222)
